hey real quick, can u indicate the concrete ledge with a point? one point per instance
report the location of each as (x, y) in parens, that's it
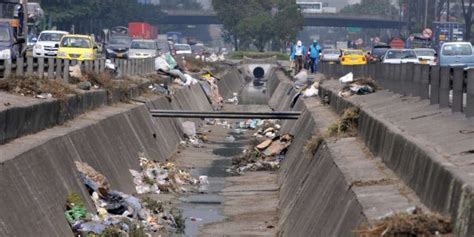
(395, 129)
(30, 115)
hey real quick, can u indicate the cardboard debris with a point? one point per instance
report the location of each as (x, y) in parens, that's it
(264, 144)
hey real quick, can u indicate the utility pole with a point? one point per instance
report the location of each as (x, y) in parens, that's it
(25, 18)
(448, 13)
(426, 13)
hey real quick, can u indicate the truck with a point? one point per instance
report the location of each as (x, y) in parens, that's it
(142, 30)
(11, 30)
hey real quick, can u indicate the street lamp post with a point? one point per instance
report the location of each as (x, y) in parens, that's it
(426, 14)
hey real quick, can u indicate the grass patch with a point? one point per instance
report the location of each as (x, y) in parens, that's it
(258, 55)
(313, 144)
(346, 126)
(153, 205)
(408, 224)
(179, 219)
(34, 85)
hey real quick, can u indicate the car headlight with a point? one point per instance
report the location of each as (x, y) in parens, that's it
(5, 54)
(110, 51)
(88, 55)
(38, 46)
(61, 54)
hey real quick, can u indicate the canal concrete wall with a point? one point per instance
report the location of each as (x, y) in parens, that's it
(37, 171)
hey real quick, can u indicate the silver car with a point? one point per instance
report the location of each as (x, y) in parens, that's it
(141, 48)
(330, 55)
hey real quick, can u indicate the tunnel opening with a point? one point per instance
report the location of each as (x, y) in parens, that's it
(258, 73)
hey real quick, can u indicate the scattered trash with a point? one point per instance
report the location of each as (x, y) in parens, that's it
(75, 71)
(359, 87)
(347, 78)
(230, 139)
(195, 219)
(157, 177)
(7, 104)
(189, 128)
(413, 222)
(234, 100)
(44, 96)
(311, 91)
(266, 155)
(119, 214)
(203, 180)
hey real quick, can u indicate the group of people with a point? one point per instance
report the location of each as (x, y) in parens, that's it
(300, 57)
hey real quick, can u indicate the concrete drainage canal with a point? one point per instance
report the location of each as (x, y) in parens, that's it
(287, 171)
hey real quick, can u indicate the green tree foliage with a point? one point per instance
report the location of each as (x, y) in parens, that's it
(259, 21)
(91, 16)
(372, 7)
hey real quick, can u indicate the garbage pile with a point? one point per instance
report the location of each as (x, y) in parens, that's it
(192, 137)
(209, 85)
(361, 86)
(116, 213)
(266, 156)
(412, 222)
(157, 177)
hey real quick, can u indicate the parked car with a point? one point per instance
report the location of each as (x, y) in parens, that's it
(377, 53)
(399, 56)
(183, 49)
(47, 42)
(352, 57)
(456, 54)
(330, 55)
(143, 49)
(77, 47)
(200, 50)
(118, 47)
(426, 56)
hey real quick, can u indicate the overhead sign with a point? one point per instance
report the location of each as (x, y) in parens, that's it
(354, 29)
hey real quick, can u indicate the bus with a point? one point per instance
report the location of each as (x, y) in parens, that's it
(310, 6)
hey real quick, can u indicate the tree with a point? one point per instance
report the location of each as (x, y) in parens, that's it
(259, 21)
(372, 7)
(467, 12)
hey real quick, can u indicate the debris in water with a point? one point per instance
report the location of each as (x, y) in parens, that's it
(361, 86)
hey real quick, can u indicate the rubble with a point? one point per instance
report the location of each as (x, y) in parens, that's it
(266, 155)
(120, 214)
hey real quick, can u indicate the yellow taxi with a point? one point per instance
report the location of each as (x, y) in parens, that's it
(77, 47)
(352, 57)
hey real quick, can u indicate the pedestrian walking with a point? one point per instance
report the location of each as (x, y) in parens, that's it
(314, 51)
(297, 55)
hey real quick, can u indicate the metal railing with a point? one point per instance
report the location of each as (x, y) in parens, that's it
(444, 86)
(60, 69)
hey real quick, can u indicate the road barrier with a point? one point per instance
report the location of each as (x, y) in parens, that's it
(59, 69)
(444, 86)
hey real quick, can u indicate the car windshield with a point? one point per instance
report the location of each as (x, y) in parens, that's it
(425, 53)
(400, 54)
(163, 46)
(457, 49)
(4, 34)
(181, 47)
(353, 52)
(50, 37)
(331, 52)
(120, 40)
(75, 42)
(143, 45)
(379, 51)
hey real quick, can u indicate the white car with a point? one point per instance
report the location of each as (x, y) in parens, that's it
(183, 49)
(47, 42)
(330, 55)
(399, 56)
(141, 48)
(426, 56)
